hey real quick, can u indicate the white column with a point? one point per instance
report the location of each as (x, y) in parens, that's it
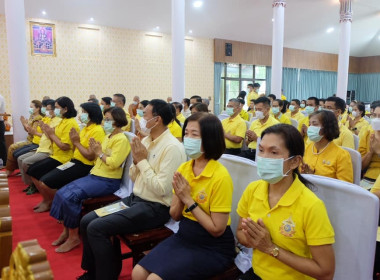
(178, 50)
(277, 46)
(344, 47)
(18, 64)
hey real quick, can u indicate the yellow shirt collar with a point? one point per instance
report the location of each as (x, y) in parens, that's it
(208, 171)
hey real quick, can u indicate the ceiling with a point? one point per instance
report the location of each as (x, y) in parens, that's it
(306, 21)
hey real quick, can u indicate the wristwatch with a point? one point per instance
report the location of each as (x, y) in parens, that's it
(275, 251)
(101, 155)
(191, 208)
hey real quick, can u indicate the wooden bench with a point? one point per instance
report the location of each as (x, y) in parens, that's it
(143, 241)
(5, 228)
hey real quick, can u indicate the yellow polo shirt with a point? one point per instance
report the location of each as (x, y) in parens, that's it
(304, 121)
(299, 220)
(175, 129)
(297, 116)
(116, 148)
(359, 125)
(376, 186)
(236, 127)
(181, 118)
(373, 169)
(258, 127)
(62, 132)
(128, 126)
(282, 118)
(345, 139)
(95, 131)
(212, 189)
(244, 115)
(333, 162)
(45, 143)
(252, 96)
(344, 117)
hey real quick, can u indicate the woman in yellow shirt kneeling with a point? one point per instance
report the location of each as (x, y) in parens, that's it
(322, 156)
(204, 244)
(104, 178)
(281, 218)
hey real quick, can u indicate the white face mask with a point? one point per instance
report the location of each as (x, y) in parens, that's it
(143, 123)
(354, 114)
(260, 115)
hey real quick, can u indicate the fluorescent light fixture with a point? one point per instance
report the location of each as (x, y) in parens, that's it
(44, 12)
(154, 34)
(198, 4)
(89, 27)
(191, 31)
(329, 30)
(92, 19)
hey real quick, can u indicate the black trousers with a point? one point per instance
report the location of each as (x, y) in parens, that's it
(249, 154)
(3, 149)
(101, 256)
(234, 152)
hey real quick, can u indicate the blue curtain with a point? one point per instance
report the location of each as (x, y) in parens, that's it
(218, 98)
(290, 77)
(353, 80)
(268, 79)
(368, 87)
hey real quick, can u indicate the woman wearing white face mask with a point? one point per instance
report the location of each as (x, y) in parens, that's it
(201, 202)
(281, 218)
(356, 123)
(322, 156)
(279, 110)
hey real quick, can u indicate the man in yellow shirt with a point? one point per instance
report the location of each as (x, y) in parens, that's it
(312, 105)
(178, 111)
(295, 113)
(234, 128)
(253, 92)
(264, 120)
(338, 106)
(118, 100)
(243, 113)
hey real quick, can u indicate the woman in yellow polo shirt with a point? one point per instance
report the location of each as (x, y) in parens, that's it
(279, 110)
(175, 126)
(322, 156)
(204, 244)
(104, 178)
(357, 122)
(62, 150)
(281, 218)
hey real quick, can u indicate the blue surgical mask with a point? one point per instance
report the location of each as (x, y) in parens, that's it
(113, 104)
(350, 109)
(271, 169)
(108, 128)
(275, 110)
(313, 133)
(84, 118)
(230, 111)
(135, 103)
(303, 105)
(43, 110)
(193, 147)
(140, 112)
(31, 111)
(57, 112)
(309, 109)
(292, 108)
(102, 107)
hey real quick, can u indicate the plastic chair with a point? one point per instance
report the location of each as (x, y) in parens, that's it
(223, 116)
(356, 141)
(294, 123)
(353, 213)
(356, 160)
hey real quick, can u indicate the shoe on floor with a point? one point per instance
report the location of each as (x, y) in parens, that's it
(26, 189)
(32, 190)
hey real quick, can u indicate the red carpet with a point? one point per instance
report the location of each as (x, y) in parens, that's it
(29, 225)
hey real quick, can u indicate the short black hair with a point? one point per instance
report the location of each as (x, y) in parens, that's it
(263, 99)
(361, 108)
(212, 134)
(144, 103)
(375, 104)
(161, 108)
(272, 96)
(107, 100)
(281, 104)
(67, 103)
(242, 94)
(329, 123)
(256, 85)
(178, 106)
(297, 101)
(250, 85)
(50, 102)
(197, 97)
(200, 107)
(121, 96)
(46, 101)
(322, 99)
(241, 100)
(118, 115)
(94, 112)
(316, 100)
(339, 103)
(187, 101)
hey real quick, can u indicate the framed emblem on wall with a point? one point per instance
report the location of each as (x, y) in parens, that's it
(42, 39)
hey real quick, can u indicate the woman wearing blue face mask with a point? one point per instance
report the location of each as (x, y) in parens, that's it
(204, 243)
(279, 110)
(322, 156)
(281, 218)
(104, 178)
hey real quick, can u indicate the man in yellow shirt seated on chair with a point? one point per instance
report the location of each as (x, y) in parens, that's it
(295, 113)
(264, 120)
(312, 105)
(234, 128)
(118, 100)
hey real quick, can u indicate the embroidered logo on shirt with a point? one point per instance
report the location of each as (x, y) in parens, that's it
(288, 227)
(327, 162)
(201, 197)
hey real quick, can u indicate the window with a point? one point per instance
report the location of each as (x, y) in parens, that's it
(236, 77)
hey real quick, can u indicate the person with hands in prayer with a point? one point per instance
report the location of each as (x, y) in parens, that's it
(285, 223)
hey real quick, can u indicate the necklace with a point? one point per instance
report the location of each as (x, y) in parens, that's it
(321, 150)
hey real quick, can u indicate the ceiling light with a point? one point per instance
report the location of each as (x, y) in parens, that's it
(272, 19)
(198, 4)
(157, 28)
(190, 31)
(92, 19)
(329, 30)
(43, 12)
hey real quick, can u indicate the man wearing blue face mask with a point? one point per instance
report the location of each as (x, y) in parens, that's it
(312, 105)
(234, 128)
(264, 120)
(295, 113)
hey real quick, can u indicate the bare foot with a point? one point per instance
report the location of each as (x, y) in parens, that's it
(44, 207)
(61, 239)
(68, 246)
(37, 206)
